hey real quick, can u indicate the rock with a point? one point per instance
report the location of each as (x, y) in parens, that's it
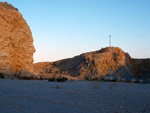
(109, 61)
(116, 79)
(59, 86)
(16, 43)
(111, 78)
(105, 78)
(108, 78)
(122, 80)
(133, 80)
(99, 63)
(141, 81)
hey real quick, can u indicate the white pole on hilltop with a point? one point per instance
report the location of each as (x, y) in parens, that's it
(110, 40)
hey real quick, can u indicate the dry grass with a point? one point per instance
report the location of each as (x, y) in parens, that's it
(96, 86)
(112, 85)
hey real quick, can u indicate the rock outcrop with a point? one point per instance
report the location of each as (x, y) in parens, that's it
(108, 62)
(16, 42)
(111, 61)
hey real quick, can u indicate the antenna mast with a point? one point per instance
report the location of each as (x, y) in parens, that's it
(110, 40)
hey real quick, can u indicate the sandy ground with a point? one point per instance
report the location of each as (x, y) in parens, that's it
(21, 96)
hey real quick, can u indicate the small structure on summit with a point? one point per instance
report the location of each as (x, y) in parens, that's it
(109, 40)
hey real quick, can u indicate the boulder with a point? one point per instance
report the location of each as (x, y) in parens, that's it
(16, 43)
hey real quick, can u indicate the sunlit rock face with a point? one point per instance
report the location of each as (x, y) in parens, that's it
(16, 42)
(110, 61)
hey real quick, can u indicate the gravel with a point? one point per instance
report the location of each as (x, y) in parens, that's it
(35, 96)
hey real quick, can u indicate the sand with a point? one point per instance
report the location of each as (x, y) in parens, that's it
(35, 96)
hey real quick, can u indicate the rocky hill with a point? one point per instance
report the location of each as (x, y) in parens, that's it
(110, 61)
(16, 43)
(16, 55)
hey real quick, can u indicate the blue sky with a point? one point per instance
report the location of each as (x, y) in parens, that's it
(66, 28)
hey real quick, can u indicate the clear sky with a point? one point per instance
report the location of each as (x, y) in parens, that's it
(66, 28)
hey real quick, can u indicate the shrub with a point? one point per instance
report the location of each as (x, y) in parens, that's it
(2, 76)
(41, 78)
(87, 78)
(51, 79)
(112, 84)
(63, 79)
(26, 78)
(96, 86)
(94, 79)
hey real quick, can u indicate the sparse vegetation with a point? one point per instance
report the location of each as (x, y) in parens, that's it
(96, 86)
(51, 79)
(111, 87)
(87, 78)
(91, 79)
(41, 78)
(2, 76)
(26, 78)
(63, 79)
(112, 84)
(94, 79)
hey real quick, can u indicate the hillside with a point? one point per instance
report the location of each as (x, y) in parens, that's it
(110, 61)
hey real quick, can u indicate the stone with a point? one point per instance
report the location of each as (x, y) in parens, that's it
(108, 78)
(16, 43)
(111, 78)
(133, 80)
(122, 80)
(141, 81)
(59, 86)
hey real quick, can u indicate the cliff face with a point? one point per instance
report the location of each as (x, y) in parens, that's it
(109, 61)
(16, 42)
